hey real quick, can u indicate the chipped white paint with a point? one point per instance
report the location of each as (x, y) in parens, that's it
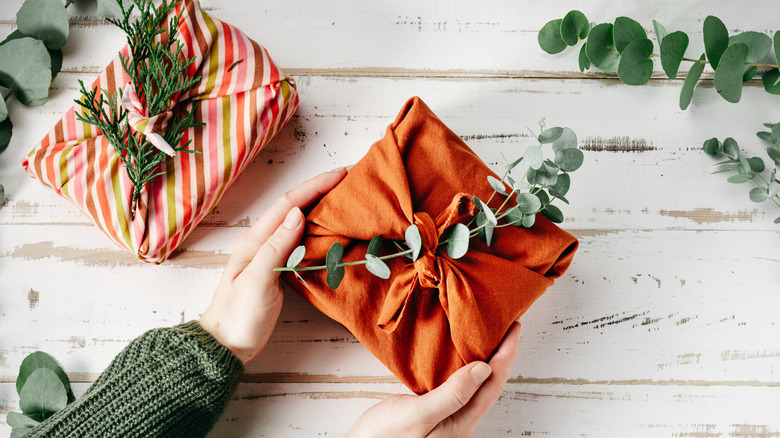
(665, 324)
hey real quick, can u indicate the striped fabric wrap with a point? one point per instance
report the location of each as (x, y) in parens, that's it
(242, 97)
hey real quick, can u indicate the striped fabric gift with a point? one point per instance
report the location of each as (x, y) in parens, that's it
(242, 97)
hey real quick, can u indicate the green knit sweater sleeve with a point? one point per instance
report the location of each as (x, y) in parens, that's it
(169, 382)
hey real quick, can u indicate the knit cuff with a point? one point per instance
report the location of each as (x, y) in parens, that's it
(210, 347)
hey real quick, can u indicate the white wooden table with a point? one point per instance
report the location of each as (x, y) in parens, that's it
(666, 324)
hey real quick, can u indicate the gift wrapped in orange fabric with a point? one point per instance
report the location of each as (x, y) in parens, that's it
(437, 313)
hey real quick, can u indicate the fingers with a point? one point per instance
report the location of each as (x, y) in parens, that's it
(453, 394)
(488, 394)
(275, 250)
(302, 196)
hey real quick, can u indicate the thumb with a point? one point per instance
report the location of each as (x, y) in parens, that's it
(275, 251)
(453, 394)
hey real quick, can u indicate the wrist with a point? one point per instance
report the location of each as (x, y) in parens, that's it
(213, 326)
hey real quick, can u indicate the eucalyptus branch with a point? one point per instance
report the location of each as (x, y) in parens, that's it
(749, 169)
(624, 47)
(530, 194)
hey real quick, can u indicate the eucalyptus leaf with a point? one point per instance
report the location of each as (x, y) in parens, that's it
(561, 186)
(774, 154)
(773, 189)
(758, 44)
(496, 184)
(489, 216)
(543, 197)
(110, 8)
(528, 221)
(744, 167)
(635, 66)
(334, 257)
(672, 52)
(553, 213)
(514, 216)
(375, 246)
(660, 32)
(334, 278)
(691, 79)
(569, 160)
(528, 203)
(296, 256)
(43, 392)
(26, 70)
(583, 60)
(749, 72)
(758, 194)
(6, 130)
(731, 148)
(513, 164)
(2, 194)
(550, 135)
(776, 46)
(531, 177)
(38, 360)
(756, 164)
(770, 80)
(377, 267)
(711, 147)
(56, 55)
(568, 139)
(716, 40)
(45, 20)
(738, 179)
(457, 241)
(775, 133)
(777, 220)
(3, 110)
(488, 234)
(17, 420)
(533, 155)
(574, 27)
(550, 39)
(626, 31)
(728, 75)
(598, 47)
(413, 240)
(764, 135)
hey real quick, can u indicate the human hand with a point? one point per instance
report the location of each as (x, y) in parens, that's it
(451, 410)
(246, 305)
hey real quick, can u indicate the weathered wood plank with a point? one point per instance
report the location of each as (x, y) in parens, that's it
(661, 305)
(305, 410)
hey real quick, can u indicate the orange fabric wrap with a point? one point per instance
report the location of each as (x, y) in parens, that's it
(436, 314)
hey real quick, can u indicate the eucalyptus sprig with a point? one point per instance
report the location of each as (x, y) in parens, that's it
(749, 169)
(43, 388)
(625, 48)
(532, 181)
(157, 73)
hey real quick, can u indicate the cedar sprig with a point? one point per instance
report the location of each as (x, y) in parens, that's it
(539, 182)
(158, 72)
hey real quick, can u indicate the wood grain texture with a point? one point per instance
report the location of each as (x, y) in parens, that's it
(665, 325)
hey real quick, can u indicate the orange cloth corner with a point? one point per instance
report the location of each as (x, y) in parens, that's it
(436, 314)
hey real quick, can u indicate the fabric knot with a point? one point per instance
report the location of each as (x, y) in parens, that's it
(426, 265)
(139, 121)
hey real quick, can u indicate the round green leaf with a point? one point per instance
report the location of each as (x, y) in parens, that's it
(728, 75)
(110, 8)
(627, 30)
(457, 241)
(569, 160)
(568, 139)
(528, 203)
(38, 360)
(375, 246)
(550, 135)
(583, 60)
(377, 267)
(413, 240)
(731, 148)
(757, 194)
(26, 70)
(513, 216)
(672, 52)
(738, 179)
(561, 186)
(19, 421)
(334, 257)
(43, 393)
(660, 32)
(774, 154)
(543, 197)
(45, 20)
(553, 213)
(744, 167)
(777, 220)
(574, 27)
(773, 189)
(490, 217)
(758, 44)
(528, 221)
(296, 256)
(496, 184)
(598, 48)
(749, 72)
(716, 39)
(550, 39)
(636, 67)
(711, 147)
(533, 156)
(56, 55)
(771, 80)
(6, 130)
(334, 278)
(686, 94)
(756, 164)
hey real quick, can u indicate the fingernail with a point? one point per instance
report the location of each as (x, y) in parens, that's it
(338, 169)
(480, 373)
(293, 219)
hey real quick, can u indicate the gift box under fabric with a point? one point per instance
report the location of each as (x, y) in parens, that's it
(435, 314)
(243, 99)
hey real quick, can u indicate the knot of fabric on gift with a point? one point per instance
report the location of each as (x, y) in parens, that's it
(140, 122)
